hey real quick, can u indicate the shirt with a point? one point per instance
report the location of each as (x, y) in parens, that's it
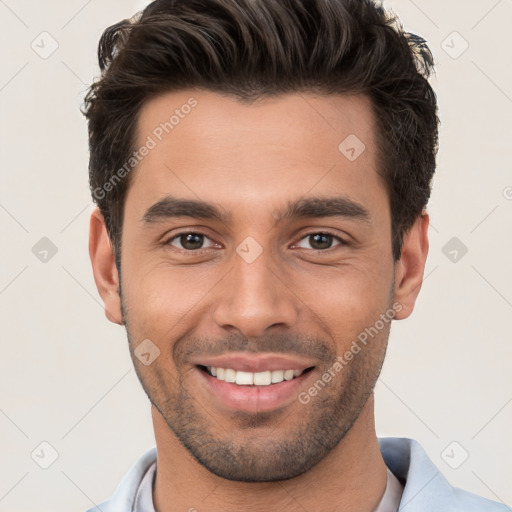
(144, 498)
(425, 489)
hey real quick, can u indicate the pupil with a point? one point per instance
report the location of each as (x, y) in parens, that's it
(192, 241)
(321, 241)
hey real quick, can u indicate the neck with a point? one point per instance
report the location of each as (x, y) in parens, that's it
(353, 473)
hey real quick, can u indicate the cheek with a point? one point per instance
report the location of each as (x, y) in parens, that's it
(346, 299)
(158, 298)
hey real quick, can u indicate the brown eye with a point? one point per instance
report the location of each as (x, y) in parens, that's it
(188, 241)
(320, 241)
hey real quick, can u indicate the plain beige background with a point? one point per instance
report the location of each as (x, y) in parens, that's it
(66, 377)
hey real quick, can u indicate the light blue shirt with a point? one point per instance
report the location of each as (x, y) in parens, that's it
(425, 488)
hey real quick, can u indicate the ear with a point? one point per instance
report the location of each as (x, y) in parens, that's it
(410, 268)
(104, 267)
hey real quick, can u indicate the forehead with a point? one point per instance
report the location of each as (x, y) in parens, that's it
(214, 147)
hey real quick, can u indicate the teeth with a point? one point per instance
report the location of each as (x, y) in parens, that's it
(277, 376)
(262, 378)
(244, 378)
(229, 375)
(288, 375)
(249, 379)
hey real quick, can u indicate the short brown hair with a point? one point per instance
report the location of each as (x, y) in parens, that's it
(255, 48)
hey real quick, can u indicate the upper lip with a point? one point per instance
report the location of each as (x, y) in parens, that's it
(255, 363)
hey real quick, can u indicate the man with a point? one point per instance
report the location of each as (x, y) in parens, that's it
(262, 170)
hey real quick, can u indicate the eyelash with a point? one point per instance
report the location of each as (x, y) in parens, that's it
(201, 251)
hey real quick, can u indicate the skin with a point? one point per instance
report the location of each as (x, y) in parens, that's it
(294, 298)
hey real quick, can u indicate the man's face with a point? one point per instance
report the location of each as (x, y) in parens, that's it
(257, 290)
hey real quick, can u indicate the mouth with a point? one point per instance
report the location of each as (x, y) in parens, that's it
(229, 390)
(243, 378)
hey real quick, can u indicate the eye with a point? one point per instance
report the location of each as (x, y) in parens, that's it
(320, 241)
(189, 241)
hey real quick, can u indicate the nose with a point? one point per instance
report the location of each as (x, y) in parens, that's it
(254, 297)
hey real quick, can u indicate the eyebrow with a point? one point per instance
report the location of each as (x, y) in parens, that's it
(313, 207)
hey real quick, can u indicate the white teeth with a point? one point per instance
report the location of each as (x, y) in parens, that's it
(249, 379)
(244, 378)
(277, 376)
(288, 375)
(229, 375)
(262, 378)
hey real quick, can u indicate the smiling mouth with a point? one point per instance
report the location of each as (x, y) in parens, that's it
(241, 378)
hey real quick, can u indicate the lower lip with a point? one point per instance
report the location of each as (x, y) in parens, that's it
(253, 399)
